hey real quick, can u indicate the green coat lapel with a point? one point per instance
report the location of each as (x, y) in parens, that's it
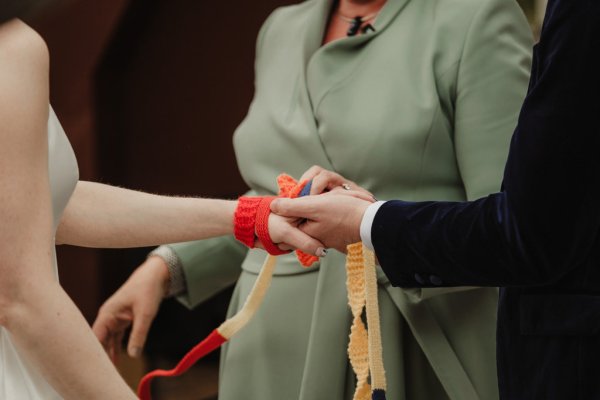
(333, 63)
(324, 67)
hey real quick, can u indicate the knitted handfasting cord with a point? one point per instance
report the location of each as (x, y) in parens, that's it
(251, 221)
(251, 216)
(220, 335)
(365, 347)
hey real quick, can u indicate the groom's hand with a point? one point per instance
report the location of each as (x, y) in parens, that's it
(331, 218)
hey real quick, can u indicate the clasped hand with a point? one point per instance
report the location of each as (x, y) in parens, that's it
(329, 218)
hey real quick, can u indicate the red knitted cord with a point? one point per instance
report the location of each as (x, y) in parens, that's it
(262, 227)
(246, 214)
(211, 343)
(244, 220)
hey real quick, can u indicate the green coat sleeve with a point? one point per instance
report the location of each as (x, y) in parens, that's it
(491, 83)
(209, 266)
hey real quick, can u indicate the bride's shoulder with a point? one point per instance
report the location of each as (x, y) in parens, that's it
(24, 82)
(22, 49)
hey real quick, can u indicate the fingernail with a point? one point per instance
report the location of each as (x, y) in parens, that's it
(374, 198)
(135, 352)
(321, 252)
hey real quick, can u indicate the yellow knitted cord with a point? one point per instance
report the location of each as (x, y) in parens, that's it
(358, 346)
(373, 322)
(365, 348)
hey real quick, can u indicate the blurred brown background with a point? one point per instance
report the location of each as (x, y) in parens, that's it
(149, 93)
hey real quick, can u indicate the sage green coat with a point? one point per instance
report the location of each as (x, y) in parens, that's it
(422, 109)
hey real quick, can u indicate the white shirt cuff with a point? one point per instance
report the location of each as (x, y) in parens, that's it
(367, 224)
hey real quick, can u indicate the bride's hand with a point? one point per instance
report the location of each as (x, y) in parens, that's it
(285, 233)
(328, 181)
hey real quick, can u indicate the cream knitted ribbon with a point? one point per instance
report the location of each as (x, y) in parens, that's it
(365, 347)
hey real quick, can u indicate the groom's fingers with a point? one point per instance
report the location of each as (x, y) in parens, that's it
(359, 194)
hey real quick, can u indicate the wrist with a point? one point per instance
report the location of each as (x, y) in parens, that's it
(155, 269)
(360, 216)
(166, 267)
(366, 223)
(229, 207)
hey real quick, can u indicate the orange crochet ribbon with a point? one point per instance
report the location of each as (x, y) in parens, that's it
(289, 187)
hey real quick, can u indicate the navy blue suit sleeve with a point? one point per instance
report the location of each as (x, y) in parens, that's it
(545, 221)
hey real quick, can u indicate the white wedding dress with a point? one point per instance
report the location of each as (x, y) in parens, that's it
(18, 380)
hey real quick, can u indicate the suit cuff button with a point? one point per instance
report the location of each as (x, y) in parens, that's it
(419, 279)
(435, 280)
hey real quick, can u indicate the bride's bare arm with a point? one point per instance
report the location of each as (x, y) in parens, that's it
(106, 216)
(45, 325)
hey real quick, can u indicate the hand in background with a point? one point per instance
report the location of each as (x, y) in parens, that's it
(331, 218)
(135, 303)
